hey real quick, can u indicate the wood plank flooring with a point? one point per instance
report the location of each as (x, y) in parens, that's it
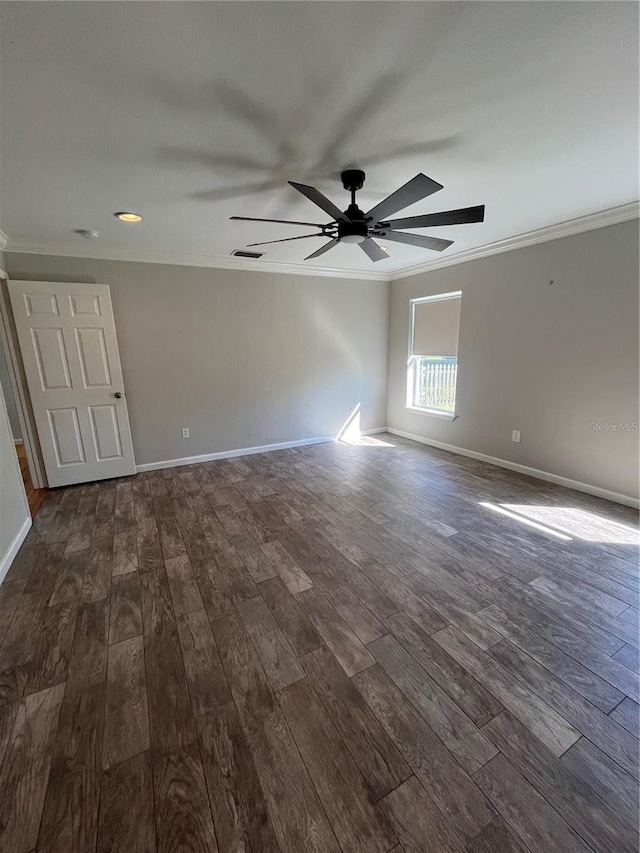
(330, 648)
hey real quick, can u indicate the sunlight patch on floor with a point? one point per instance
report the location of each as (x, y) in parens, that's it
(528, 522)
(370, 441)
(579, 523)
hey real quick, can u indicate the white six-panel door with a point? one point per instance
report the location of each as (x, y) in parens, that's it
(68, 342)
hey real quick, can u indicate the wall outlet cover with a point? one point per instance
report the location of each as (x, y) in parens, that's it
(515, 436)
(185, 433)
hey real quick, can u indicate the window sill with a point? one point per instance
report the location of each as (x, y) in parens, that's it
(433, 413)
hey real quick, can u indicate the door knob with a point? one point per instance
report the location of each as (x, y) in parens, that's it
(117, 395)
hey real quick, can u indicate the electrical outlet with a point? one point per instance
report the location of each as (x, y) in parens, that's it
(185, 432)
(515, 436)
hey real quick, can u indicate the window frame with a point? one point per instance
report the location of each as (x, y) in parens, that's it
(411, 359)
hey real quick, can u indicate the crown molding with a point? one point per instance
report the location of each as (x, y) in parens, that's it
(568, 228)
(71, 250)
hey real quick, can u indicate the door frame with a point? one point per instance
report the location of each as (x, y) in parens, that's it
(17, 380)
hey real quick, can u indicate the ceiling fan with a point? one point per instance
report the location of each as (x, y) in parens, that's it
(354, 226)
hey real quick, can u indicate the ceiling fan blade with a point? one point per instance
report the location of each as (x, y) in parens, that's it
(286, 239)
(323, 249)
(281, 221)
(322, 201)
(418, 240)
(414, 190)
(371, 248)
(447, 217)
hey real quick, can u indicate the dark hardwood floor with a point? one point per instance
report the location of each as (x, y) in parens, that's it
(333, 648)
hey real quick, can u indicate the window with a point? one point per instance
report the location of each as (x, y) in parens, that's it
(433, 353)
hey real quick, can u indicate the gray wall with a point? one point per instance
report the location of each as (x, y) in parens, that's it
(549, 360)
(246, 359)
(14, 509)
(242, 359)
(8, 396)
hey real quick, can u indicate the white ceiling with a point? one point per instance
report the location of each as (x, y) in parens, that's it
(189, 113)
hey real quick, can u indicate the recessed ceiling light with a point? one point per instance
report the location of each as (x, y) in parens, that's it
(125, 216)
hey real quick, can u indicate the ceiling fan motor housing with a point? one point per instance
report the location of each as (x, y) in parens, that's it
(352, 179)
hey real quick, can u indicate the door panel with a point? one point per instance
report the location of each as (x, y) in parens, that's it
(69, 348)
(94, 362)
(106, 436)
(41, 303)
(85, 304)
(65, 432)
(51, 356)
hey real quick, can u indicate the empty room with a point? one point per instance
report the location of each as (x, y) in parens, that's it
(319, 406)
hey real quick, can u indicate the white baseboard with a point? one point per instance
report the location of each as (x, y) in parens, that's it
(243, 451)
(5, 563)
(230, 454)
(18, 441)
(598, 492)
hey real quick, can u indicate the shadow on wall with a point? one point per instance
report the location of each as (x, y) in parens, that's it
(327, 120)
(285, 155)
(67, 279)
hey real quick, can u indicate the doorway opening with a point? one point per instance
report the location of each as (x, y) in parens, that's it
(35, 496)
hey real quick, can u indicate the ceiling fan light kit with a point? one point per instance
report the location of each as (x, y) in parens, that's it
(358, 228)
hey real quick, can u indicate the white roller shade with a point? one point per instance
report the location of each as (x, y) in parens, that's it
(436, 324)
